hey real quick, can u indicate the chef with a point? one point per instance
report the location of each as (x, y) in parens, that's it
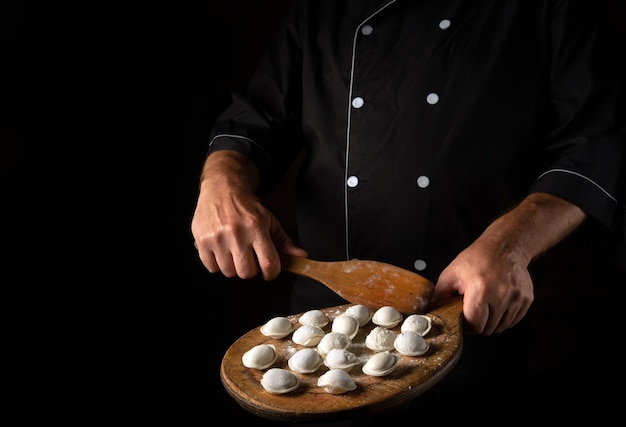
(460, 140)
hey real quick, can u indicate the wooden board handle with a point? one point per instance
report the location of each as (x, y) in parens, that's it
(371, 283)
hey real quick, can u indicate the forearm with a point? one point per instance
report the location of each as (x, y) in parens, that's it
(229, 170)
(539, 222)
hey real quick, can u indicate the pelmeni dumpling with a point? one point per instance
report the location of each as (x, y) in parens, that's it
(346, 325)
(361, 313)
(380, 364)
(387, 317)
(260, 356)
(336, 381)
(410, 344)
(305, 361)
(333, 340)
(277, 327)
(279, 381)
(308, 335)
(340, 358)
(314, 318)
(417, 323)
(380, 339)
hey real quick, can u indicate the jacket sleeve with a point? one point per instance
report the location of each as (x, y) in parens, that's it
(263, 121)
(586, 138)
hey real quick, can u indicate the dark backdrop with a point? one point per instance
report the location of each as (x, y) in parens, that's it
(112, 321)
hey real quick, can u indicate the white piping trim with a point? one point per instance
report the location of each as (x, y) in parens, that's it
(580, 176)
(345, 181)
(228, 135)
(256, 144)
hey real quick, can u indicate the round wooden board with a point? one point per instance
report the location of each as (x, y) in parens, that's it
(412, 376)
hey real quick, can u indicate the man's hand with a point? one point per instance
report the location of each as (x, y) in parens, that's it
(495, 283)
(492, 273)
(234, 233)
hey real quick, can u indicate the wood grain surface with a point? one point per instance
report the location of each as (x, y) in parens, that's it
(367, 282)
(412, 376)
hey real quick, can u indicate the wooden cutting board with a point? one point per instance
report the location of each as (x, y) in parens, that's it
(412, 376)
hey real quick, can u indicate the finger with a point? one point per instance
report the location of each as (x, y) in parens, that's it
(225, 264)
(511, 317)
(207, 257)
(494, 323)
(444, 288)
(285, 245)
(474, 320)
(210, 263)
(519, 315)
(498, 320)
(245, 263)
(268, 249)
(440, 293)
(267, 258)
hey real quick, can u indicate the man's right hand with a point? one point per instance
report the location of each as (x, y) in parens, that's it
(234, 233)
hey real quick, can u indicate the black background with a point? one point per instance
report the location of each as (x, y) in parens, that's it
(111, 319)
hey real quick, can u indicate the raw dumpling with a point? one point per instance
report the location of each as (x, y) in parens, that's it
(380, 339)
(308, 335)
(411, 344)
(346, 325)
(417, 323)
(277, 327)
(339, 358)
(279, 381)
(305, 361)
(387, 317)
(260, 356)
(361, 313)
(333, 340)
(336, 381)
(314, 318)
(380, 364)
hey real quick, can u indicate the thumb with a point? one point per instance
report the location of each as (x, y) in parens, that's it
(444, 289)
(283, 242)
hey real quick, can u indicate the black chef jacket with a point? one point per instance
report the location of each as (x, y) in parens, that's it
(422, 121)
